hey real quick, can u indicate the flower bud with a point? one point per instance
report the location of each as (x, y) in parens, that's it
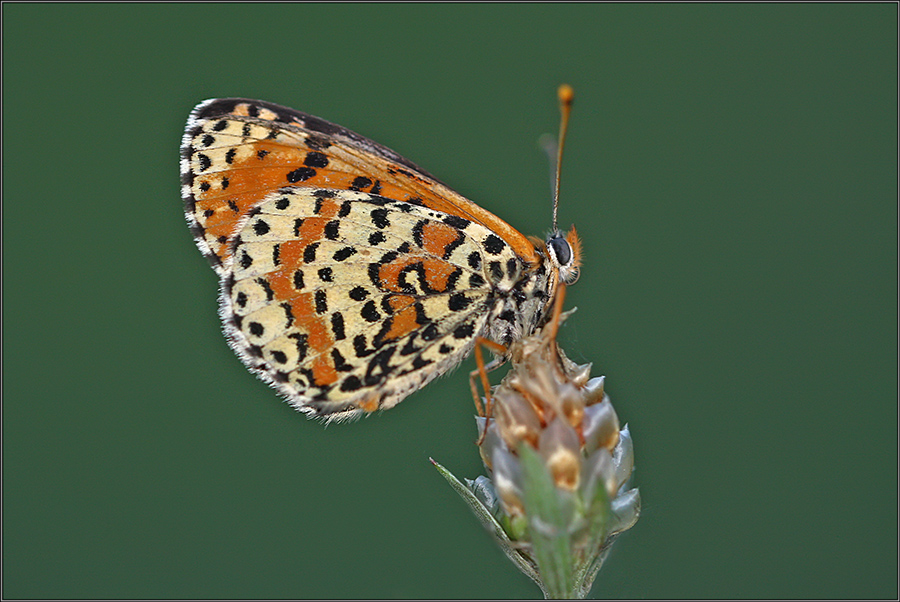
(508, 481)
(626, 508)
(580, 375)
(491, 441)
(571, 403)
(600, 426)
(483, 489)
(516, 418)
(599, 470)
(559, 447)
(623, 457)
(593, 390)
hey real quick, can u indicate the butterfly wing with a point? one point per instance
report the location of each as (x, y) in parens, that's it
(350, 277)
(347, 301)
(236, 151)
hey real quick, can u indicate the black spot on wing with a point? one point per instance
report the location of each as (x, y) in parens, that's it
(264, 284)
(321, 298)
(430, 332)
(344, 253)
(351, 383)
(463, 331)
(496, 270)
(493, 244)
(360, 183)
(379, 218)
(331, 229)
(260, 227)
(360, 347)
(359, 293)
(315, 159)
(302, 346)
(309, 253)
(300, 174)
(456, 221)
(337, 326)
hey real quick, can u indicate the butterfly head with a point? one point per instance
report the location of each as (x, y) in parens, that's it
(564, 251)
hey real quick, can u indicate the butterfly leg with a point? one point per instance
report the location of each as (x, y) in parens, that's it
(481, 371)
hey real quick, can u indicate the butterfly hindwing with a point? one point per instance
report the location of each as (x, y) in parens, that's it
(342, 299)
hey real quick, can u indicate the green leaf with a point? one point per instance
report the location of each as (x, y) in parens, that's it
(549, 514)
(491, 524)
(596, 545)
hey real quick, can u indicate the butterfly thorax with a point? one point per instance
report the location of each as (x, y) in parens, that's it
(518, 310)
(524, 307)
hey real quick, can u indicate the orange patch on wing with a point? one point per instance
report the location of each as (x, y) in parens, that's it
(220, 221)
(218, 230)
(319, 339)
(227, 210)
(399, 302)
(329, 208)
(282, 284)
(307, 320)
(438, 273)
(312, 229)
(389, 274)
(436, 236)
(290, 253)
(248, 177)
(323, 371)
(270, 164)
(369, 404)
(404, 321)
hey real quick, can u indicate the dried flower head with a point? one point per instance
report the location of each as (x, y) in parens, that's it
(559, 467)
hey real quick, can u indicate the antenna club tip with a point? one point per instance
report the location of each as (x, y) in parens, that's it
(566, 94)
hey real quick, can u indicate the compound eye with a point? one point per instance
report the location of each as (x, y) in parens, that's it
(561, 250)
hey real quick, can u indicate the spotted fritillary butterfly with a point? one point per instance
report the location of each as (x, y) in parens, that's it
(349, 276)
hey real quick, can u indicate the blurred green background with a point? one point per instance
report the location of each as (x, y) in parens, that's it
(731, 168)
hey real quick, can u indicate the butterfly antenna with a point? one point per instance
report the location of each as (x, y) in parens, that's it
(566, 95)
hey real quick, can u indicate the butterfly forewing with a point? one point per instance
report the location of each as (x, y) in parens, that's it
(235, 151)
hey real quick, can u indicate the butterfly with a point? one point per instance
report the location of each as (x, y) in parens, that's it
(350, 277)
